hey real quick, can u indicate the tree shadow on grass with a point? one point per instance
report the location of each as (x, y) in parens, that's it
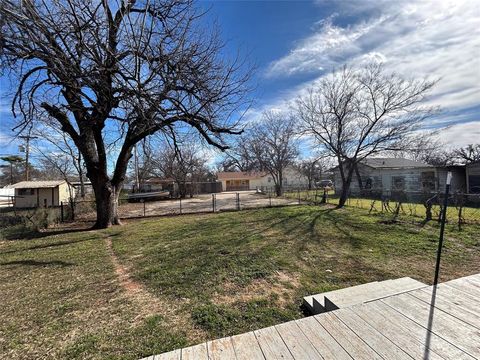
(31, 262)
(25, 233)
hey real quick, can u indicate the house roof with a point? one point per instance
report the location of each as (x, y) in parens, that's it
(38, 184)
(393, 163)
(238, 175)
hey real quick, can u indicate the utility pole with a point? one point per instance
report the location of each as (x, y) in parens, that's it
(27, 152)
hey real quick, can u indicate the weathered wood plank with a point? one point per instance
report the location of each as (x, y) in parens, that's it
(394, 331)
(172, 355)
(298, 344)
(221, 349)
(349, 341)
(197, 352)
(465, 286)
(272, 344)
(246, 347)
(382, 345)
(444, 325)
(325, 344)
(458, 307)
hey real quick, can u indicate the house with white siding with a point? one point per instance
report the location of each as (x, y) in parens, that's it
(383, 176)
(255, 180)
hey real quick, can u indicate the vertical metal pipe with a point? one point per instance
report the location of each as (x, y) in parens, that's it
(442, 229)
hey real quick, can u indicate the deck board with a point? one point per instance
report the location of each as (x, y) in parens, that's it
(381, 344)
(448, 327)
(347, 339)
(199, 352)
(272, 344)
(325, 344)
(395, 330)
(221, 349)
(246, 347)
(394, 327)
(298, 344)
(459, 308)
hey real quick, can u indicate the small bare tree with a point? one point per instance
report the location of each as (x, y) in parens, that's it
(182, 163)
(274, 143)
(354, 114)
(313, 169)
(468, 154)
(113, 73)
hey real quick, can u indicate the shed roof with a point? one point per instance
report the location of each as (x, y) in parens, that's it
(38, 184)
(238, 175)
(398, 163)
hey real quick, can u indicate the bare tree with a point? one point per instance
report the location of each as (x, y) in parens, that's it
(241, 156)
(274, 143)
(58, 166)
(63, 153)
(112, 74)
(313, 169)
(182, 163)
(354, 114)
(468, 154)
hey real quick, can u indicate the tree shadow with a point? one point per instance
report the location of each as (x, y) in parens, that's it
(38, 263)
(30, 234)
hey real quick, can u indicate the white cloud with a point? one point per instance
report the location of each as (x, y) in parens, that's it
(437, 39)
(461, 134)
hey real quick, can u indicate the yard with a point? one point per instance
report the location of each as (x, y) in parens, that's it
(157, 284)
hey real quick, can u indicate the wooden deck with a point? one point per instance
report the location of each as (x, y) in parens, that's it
(402, 326)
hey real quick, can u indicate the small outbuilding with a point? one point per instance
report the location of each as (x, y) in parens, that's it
(31, 194)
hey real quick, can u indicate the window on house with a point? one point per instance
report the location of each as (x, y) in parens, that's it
(398, 183)
(428, 180)
(269, 179)
(368, 183)
(26, 192)
(474, 184)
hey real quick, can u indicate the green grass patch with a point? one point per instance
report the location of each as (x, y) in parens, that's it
(213, 275)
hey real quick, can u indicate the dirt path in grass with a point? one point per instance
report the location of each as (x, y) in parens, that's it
(146, 303)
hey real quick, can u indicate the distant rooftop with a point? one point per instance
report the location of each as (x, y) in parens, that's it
(393, 163)
(238, 175)
(37, 184)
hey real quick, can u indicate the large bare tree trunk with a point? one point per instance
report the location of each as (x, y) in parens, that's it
(345, 188)
(106, 197)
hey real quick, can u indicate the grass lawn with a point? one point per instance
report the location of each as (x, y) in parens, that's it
(157, 284)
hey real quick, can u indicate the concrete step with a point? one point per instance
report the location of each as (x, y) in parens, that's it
(354, 295)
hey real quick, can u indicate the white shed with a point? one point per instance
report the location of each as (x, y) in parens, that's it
(30, 194)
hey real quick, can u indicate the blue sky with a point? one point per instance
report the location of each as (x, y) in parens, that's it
(295, 43)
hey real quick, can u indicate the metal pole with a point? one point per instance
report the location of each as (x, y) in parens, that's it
(144, 210)
(27, 153)
(213, 202)
(238, 201)
(61, 210)
(442, 228)
(180, 206)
